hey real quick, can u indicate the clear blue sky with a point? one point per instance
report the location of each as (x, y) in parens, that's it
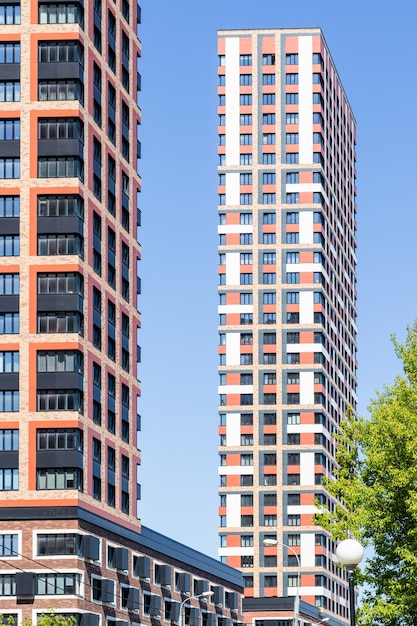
(373, 45)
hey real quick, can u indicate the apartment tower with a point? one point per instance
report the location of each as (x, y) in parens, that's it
(287, 310)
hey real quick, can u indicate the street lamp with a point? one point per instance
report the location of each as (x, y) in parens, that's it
(349, 553)
(275, 542)
(205, 594)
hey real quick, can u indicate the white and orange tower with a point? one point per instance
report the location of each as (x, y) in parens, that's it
(287, 310)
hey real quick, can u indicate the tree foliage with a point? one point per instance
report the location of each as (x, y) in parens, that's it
(376, 481)
(49, 618)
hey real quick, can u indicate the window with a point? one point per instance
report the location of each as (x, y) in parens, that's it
(247, 520)
(245, 198)
(246, 419)
(9, 167)
(269, 218)
(268, 79)
(293, 297)
(270, 419)
(246, 298)
(246, 139)
(293, 418)
(270, 520)
(292, 158)
(246, 119)
(291, 79)
(245, 218)
(245, 79)
(246, 179)
(293, 358)
(60, 361)
(246, 440)
(246, 379)
(291, 118)
(291, 138)
(291, 59)
(9, 401)
(245, 159)
(9, 545)
(60, 90)
(269, 258)
(245, 99)
(291, 98)
(293, 338)
(293, 520)
(246, 499)
(246, 541)
(293, 378)
(268, 178)
(9, 91)
(268, 59)
(268, 98)
(246, 239)
(269, 139)
(268, 198)
(9, 479)
(270, 378)
(10, 14)
(51, 245)
(269, 278)
(268, 118)
(269, 238)
(59, 400)
(245, 59)
(58, 544)
(292, 238)
(293, 277)
(61, 167)
(58, 584)
(293, 257)
(269, 338)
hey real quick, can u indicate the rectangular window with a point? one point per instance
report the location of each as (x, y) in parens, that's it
(268, 79)
(245, 79)
(268, 98)
(245, 99)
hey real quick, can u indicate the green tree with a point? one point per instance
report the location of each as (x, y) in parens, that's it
(49, 618)
(376, 481)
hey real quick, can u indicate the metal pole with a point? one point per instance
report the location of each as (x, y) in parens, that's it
(352, 602)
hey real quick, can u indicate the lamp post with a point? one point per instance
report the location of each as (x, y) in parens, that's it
(205, 594)
(275, 542)
(349, 553)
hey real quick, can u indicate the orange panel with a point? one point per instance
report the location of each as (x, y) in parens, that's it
(221, 45)
(268, 44)
(233, 298)
(233, 480)
(245, 45)
(232, 239)
(291, 44)
(233, 540)
(306, 358)
(233, 319)
(306, 177)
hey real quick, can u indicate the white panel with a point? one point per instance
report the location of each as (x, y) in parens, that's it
(235, 470)
(308, 554)
(306, 307)
(236, 551)
(300, 187)
(305, 347)
(224, 229)
(307, 468)
(306, 226)
(232, 187)
(236, 389)
(232, 100)
(233, 509)
(235, 308)
(232, 348)
(232, 268)
(306, 387)
(307, 428)
(304, 509)
(305, 90)
(232, 430)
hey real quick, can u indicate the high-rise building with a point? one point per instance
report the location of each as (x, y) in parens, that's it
(70, 537)
(287, 310)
